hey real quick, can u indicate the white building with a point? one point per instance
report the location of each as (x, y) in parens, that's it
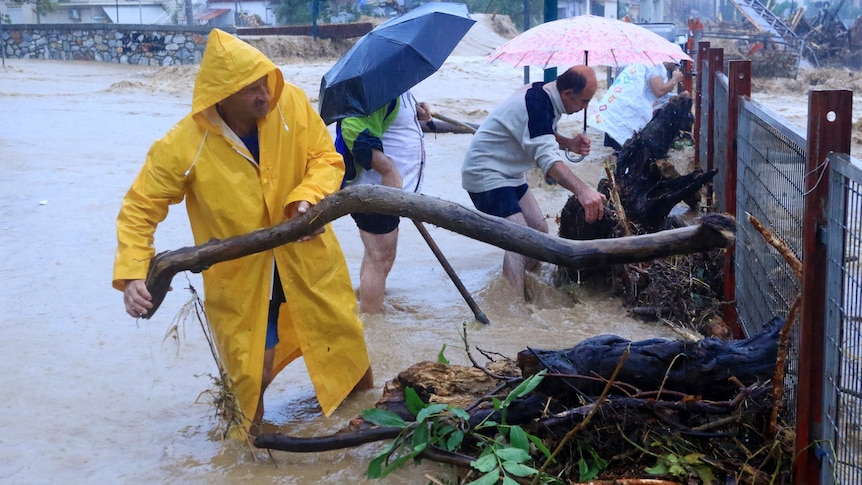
(147, 12)
(260, 11)
(94, 12)
(641, 11)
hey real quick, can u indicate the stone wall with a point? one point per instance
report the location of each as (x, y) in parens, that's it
(155, 45)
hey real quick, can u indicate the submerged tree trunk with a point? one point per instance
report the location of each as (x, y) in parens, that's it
(713, 232)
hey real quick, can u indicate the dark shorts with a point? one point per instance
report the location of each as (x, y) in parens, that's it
(376, 223)
(272, 318)
(272, 325)
(502, 202)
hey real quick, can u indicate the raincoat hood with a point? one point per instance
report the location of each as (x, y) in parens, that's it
(228, 65)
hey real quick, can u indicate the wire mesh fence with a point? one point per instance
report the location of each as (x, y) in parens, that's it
(842, 420)
(771, 165)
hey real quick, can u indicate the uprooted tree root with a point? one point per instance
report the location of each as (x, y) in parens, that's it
(681, 439)
(601, 429)
(648, 437)
(642, 437)
(686, 291)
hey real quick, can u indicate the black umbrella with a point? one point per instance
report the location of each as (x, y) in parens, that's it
(391, 59)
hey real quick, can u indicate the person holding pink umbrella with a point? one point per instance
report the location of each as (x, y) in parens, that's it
(637, 93)
(519, 135)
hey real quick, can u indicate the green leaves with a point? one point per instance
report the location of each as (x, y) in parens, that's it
(431, 428)
(519, 469)
(682, 467)
(382, 417)
(505, 449)
(505, 461)
(413, 401)
(441, 359)
(525, 387)
(518, 438)
(512, 454)
(491, 478)
(380, 465)
(590, 465)
(453, 443)
(430, 410)
(485, 463)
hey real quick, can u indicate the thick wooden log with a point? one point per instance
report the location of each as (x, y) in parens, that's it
(647, 185)
(714, 231)
(648, 188)
(701, 368)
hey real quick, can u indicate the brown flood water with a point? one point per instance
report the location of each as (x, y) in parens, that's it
(90, 395)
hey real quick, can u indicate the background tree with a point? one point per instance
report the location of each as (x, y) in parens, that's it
(783, 8)
(293, 12)
(513, 8)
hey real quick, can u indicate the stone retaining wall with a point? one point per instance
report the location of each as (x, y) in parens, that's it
(161, 45)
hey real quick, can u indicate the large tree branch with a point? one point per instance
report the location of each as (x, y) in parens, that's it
(714, 231)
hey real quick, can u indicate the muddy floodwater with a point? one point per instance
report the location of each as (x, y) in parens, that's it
(90, 395)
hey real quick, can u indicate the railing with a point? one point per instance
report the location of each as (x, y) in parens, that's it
(842, 388)
(809, 197)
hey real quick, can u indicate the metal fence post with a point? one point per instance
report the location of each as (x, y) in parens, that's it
(738, 84)
(699, 86)
(715, 60)
(829, 125)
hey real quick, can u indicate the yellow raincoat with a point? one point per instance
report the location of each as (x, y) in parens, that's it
(228, 194)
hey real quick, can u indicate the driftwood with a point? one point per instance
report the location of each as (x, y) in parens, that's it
(657, 376)
(446, 124)
(701, 368)
(714, 231)
(647, 191)
(645, 184)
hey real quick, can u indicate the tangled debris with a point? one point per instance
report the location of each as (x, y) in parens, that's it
(605, 410)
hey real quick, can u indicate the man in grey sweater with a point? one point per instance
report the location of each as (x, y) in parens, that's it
(515, 137)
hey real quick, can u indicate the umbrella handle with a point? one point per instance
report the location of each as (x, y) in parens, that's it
(573, 160)
(579, 158)
(569, 153)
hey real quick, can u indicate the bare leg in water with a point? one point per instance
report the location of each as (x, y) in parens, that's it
(377, 261)
(515, 265)
(266, 379)
(365, 383)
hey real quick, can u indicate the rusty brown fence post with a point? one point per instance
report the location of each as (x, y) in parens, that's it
(738, 84)
(829, 127)
(702, 52)
(715, 59)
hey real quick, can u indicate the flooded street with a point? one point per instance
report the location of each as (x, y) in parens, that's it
(91, 395)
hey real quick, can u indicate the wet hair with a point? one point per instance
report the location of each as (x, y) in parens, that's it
(571, 79)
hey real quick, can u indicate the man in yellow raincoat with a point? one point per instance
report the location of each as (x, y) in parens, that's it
(251, 154)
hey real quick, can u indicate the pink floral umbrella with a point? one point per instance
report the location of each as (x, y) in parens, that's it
(587, 39)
